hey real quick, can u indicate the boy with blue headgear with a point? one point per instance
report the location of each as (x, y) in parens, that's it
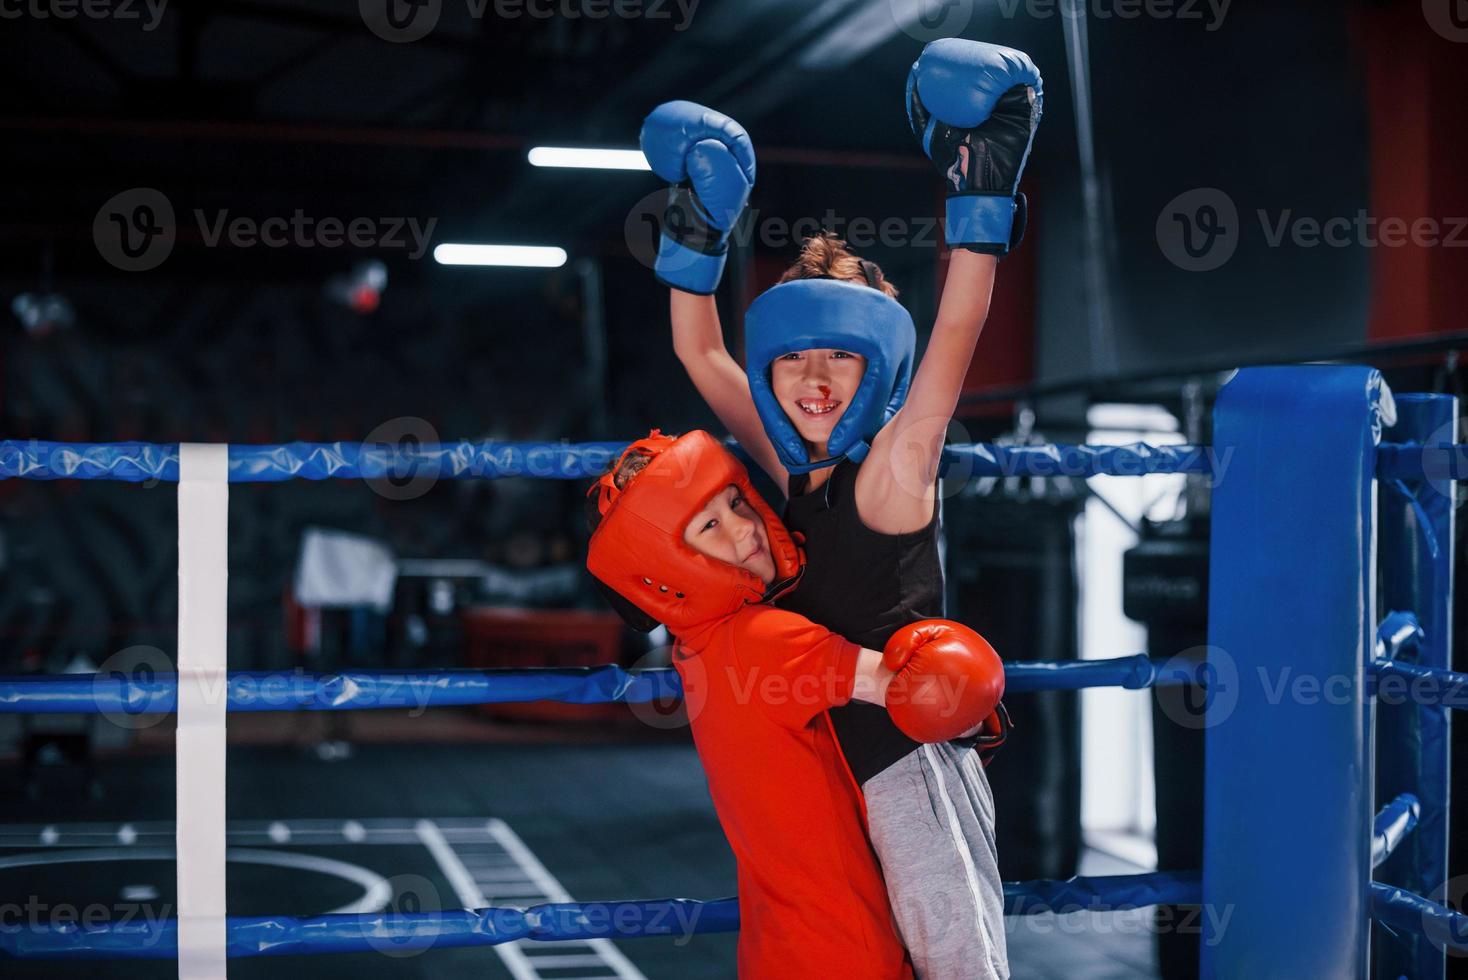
(826, 408)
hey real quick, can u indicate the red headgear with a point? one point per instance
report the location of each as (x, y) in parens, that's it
(638, 551)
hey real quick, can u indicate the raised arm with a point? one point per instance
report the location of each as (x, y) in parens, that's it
(698, 340)
(914, 437)
(974, 108)
(708, 159)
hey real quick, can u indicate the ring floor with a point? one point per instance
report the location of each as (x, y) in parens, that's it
(430, 826)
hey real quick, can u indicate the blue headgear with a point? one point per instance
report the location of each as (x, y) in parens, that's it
(807, 313)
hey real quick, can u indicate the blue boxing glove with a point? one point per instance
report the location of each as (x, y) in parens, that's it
(709, 160)
(974, 107)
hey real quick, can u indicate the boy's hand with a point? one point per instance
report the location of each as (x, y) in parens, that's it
(709, 160)
(948, 679)
(974, 107)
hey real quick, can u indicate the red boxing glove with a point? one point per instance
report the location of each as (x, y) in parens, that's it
(949, 679)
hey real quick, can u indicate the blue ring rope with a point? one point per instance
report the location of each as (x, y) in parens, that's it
(1398, 633)
(139, 462)
(1409, 912)
(146, 692)
(379, 931)
(1392, 825)
(1430, 686)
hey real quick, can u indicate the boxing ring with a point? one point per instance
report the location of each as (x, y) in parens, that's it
(1329, 648)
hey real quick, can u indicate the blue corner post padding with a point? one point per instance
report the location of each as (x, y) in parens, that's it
(1287, 806)
(1416, 545)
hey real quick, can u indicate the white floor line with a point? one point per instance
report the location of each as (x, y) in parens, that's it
(470, 895)
(493, 856)
(538, 873)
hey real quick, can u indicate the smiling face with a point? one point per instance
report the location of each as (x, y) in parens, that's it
(729, 530)
(814, 387)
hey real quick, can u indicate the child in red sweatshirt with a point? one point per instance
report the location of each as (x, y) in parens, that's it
(681, 538)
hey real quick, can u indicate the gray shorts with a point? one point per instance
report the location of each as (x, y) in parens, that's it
(931, 817)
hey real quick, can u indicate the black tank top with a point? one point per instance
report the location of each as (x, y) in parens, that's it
(865, 586)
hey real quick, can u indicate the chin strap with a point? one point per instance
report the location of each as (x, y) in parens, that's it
(798, 469)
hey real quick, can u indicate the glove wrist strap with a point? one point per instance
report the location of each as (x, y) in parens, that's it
(688, 269)
(981, 221)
